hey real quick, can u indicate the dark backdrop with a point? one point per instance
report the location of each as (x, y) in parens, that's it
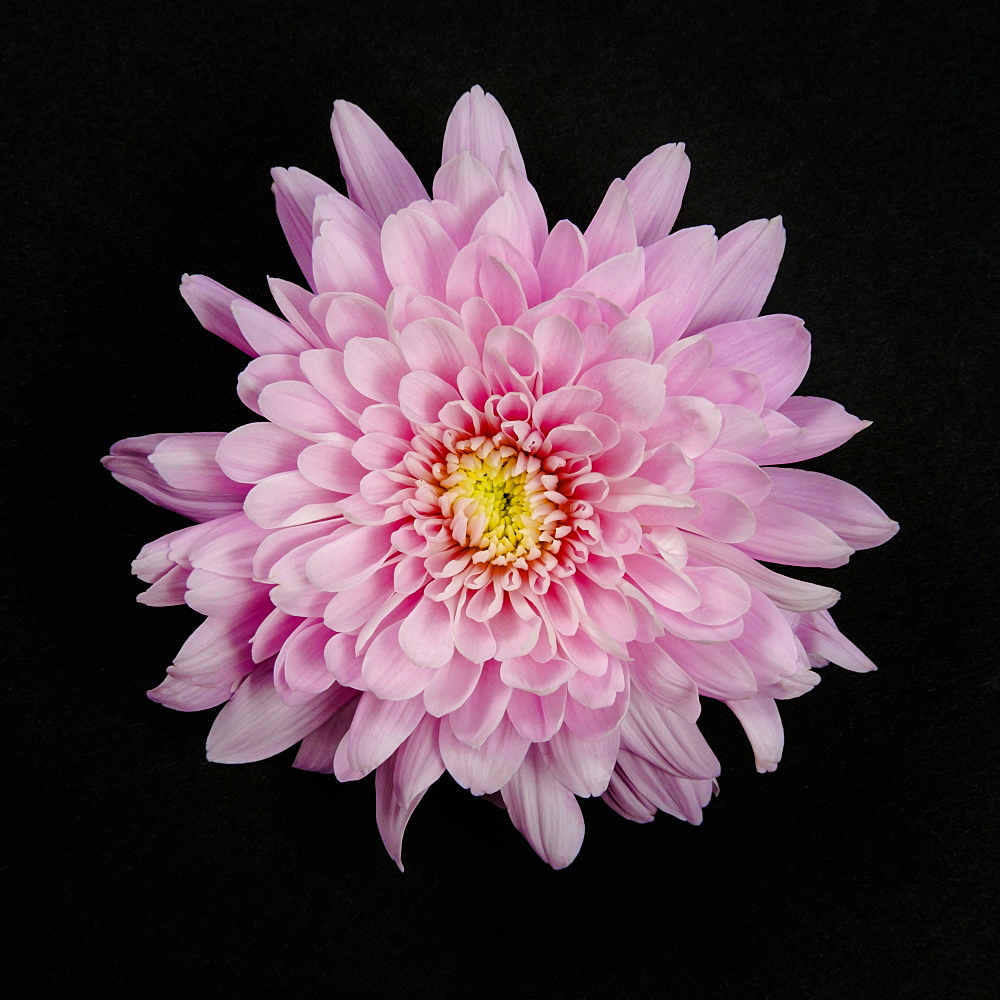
(138, 147)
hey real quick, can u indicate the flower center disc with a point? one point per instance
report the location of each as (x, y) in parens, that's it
(500, 501)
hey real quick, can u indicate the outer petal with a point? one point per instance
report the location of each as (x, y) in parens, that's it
(744, 271)
(545, 811)
(378, 177)
(656, 186)
(256, 724)
(478, 124)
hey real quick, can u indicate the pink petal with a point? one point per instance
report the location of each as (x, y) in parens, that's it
(378, 177)
(345, 260)
(821, 636)
(488, 767)
(718, 668)
(425, 636)
(744, 270)
(212, 305)
(255, 451)
(785, 535)
(295, 193)
(664, 739)
(478, 124)
(792, 595)
(417, 252)
(130, 464)
(544, 811)
(439, 347)
(774, 347)
(289, 498)
(584, 768)
(375, 368)
(843, 508)
(620, 279)
(537, 717)
(563, 259)
(256, 724)
(377, 730)
(613, 230)
(482, 711)
(464, 181)
(451, 685)
(662, 681)
(389, 672)
(656, 187)
(762, 724)
(633, 391)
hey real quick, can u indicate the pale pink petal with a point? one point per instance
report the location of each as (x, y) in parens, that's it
(478, 124)
(545, 811)
(318, 749)
(256, 724)
(827, 425)
(464, 181)
(511, 180)
(792, 595)
(563, 259)
(378, 177)
(438, 347)
(744, 270)
(656, 187)
(620, 279)
(843, 508)
(295, 193)
(540, 678)
(506, 217)
(289, 498)
(350, 557)
(417, 252)
(633, 392)
(255, 451)
(295, 304)
(612, 230)
(681, 797)
(212, 305)
(821, 636)
(718, 668)
(451, 685)
(482, 711)
(774, 347)
(426, 635)
(262, 372)
(584, 768)
(129, 463)
(377, 730)
(663, 681)
(345, 260)
(537, 717)
(762, 724)
(264, 332)
(375, 368)
(487, 767)
(665, 739)
(389, 672)
(785, 535)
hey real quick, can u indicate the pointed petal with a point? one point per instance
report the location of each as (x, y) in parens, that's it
(379, 179)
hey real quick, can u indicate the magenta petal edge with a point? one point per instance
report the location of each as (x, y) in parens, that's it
(503, 502)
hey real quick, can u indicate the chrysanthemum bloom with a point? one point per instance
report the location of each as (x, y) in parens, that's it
(502, 512)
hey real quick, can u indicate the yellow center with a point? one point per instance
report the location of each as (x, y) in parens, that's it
(495, 498)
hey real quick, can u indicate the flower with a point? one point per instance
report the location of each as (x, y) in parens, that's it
(503, 510)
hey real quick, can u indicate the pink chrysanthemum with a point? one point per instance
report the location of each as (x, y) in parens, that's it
(503, 510)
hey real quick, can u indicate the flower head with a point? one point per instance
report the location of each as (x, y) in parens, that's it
(502, 512)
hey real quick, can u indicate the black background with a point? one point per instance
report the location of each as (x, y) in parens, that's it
(138, 147)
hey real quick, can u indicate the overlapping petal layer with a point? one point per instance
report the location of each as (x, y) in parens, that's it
(502, 512)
